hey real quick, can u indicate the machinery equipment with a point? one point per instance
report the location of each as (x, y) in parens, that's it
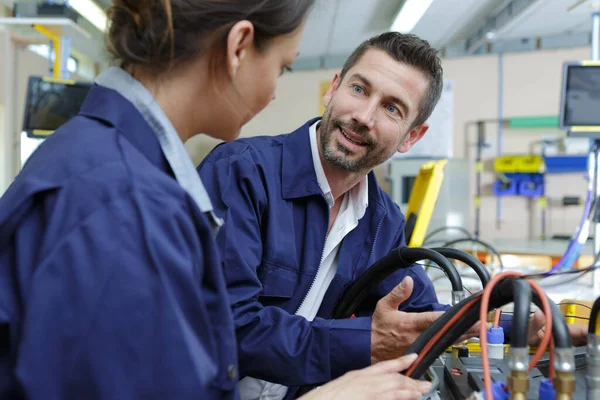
(555, 370)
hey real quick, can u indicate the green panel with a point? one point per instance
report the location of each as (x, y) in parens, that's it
(534, 122)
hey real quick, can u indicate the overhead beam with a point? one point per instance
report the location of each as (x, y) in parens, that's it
(509, 14)
(459, 50)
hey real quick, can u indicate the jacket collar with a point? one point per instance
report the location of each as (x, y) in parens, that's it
(298, 176)
(110, 107)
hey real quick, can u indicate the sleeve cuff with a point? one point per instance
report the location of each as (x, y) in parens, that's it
(350, 341)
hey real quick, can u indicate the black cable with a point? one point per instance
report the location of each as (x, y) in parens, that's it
(560, 329)
(502, 294)
(488, 246)
(444, 276)
(572, 303)
(570, 316)
(522, 309)
(402, 257)
(447, 228)
(594, 316)
(472, 261)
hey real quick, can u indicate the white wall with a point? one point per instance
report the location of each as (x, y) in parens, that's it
(296, 101)
(531, 87)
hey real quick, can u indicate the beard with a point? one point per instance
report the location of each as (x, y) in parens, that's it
(341, 157)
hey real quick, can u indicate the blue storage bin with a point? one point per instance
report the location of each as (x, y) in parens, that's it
(531, 188)
(524, 176)
(566, 164)
(505, 189)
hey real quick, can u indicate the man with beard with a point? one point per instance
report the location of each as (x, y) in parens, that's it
(304, 217)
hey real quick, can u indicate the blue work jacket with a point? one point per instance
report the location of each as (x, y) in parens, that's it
(276, 219)
(110, 281)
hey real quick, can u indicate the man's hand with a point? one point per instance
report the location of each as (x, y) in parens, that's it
(394, 331)
(377, 382)
(537, 328)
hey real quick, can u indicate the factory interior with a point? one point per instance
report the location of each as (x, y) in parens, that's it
(500, 203)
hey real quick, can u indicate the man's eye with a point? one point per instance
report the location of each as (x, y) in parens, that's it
(392, 108)
(358, 89)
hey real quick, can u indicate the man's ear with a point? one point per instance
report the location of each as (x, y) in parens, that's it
(333, 87)
(239, 43)
(413, 137)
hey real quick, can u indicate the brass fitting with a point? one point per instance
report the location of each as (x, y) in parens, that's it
(564, 364)
(518, 384)
(592, 376)
(518, 381)
(564, 385)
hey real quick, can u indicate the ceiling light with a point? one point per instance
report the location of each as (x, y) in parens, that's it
(410, 13)
(90, 11)
(491, 35)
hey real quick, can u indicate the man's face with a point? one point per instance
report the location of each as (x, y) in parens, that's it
(370, 113)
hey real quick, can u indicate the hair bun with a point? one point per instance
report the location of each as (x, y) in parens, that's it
(139, 11)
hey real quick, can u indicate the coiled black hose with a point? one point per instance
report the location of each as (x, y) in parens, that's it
(522, 309)
(488, 246)
(502, 294)
(592, 327)
(401, 257)
(472, 261)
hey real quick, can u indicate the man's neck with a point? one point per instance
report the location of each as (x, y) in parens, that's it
(340, 181)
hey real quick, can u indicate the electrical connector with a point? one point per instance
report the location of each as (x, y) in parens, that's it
(592, 376)
(564, 383)
(495, 343)
(476, 396)
(499, 391)
(547, 391)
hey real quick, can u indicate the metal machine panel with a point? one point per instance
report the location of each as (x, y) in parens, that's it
(454, 204)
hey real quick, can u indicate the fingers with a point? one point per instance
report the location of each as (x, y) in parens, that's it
(422, 321)
(464, 337)
(395, 365)
(538, 321)
(579, 334)
(394, 382)
(398, 295)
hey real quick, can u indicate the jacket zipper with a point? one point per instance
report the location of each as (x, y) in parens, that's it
(312, 283)
(374, 241)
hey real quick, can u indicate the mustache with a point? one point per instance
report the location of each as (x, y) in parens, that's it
(357, 128)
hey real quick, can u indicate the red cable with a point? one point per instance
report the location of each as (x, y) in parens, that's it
(483, 327)
(440, 333)
(497, 317)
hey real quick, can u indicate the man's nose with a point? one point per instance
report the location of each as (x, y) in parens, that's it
(366, 114)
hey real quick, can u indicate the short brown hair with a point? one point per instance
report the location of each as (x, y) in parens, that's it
(157, 34)
(411, 50)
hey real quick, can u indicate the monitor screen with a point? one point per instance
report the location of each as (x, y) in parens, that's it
(581, 96)
(50, 103)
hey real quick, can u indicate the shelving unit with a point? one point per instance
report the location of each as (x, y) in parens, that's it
(24, 30)
(557, 164)
(66, 37)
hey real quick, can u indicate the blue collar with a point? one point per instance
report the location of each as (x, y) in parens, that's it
(171, 145)
(298, 176)
(108, 106)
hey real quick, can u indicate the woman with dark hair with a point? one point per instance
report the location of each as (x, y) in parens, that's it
(110, 283)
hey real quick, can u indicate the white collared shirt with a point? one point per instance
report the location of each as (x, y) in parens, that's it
(352, 209)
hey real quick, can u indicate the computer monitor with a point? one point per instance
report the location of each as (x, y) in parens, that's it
(50, 103)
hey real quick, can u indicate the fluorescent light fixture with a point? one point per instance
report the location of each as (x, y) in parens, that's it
(410, 13)
(89, 10)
